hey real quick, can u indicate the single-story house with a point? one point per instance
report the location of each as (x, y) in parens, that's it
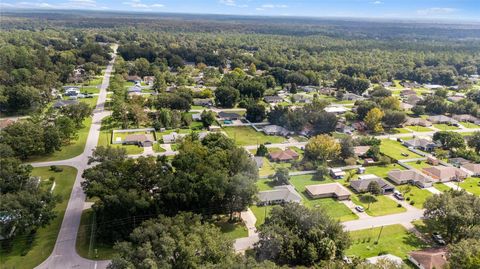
(352, 97)
(207, 102)
(389, 257)
(134, 89)
(335, 190)
(64, 103)
(455, 98)
(433, 258)
(413, 99)
(135, 79)
(337, 173)
(360, 150)
(273, 99)
(229, 115)
(432, 160)
(406, 106)
(473, 168)
(279, 195)
(301, 98)
(368, 161)
(445, 173)
(457, 162)
(361, 185)
(387, 84)
(442, 119)
(326, 90)
(433, 86)
(466, 118)
(336, 109)
(172, 137)
(409, 176)
(417, 122)
(197, 117)
(149, 80)
(143, 140)
(275, 130)
(283, 155)
(408, 84)
(214, 128)
(421, 143)
(407, 92)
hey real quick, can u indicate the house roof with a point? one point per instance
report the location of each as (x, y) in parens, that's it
(286, 193)
(336, 109)
(430, 258)
(472, 167)
(389, 257)
(275, 129)
(445, 172)
(406, 175)
(223, 114)
(408, 92)
(362, 183)
(148, 78)
(273, 98)
(329, 188)
(138, 138)
(360, 150)
(465, 117)
(419, 142)
(284, 155)
(418, 121)
(441, 119)
(62, 103)
(134, 78)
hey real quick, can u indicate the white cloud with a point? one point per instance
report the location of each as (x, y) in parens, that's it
(232, 3)
(273, 6)
(376, 2)
(68, 4)
(434, 11)
(137, 4)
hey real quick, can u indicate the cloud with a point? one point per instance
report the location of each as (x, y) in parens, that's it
(68, 4)
(434, 11)
(231, 3)
(273, 6)
(376, 2)
(137, 4)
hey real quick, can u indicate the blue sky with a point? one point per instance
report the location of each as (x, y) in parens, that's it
(417, 9)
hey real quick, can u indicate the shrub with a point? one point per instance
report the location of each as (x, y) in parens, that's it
(408, 199)
(52, 179)
(412, 202)
(399, 205)
(56, 169)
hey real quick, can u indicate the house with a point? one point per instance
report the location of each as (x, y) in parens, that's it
(229, 115)
(442, 119)
(433, 258)
(275, 130)
(412, 99)
(421, 143)
(387, 84)
(455, 98)
(272, 99)
(445, 173)
(359, 126)
(72, 91)
(389, 257)
(134, 89)
(135, 79)
(406, 106)
(143, 140)
(7, 225)
(352, 97)
(417, 122)
(279, 195)
(361, 185)
(457, 162)
(407, 92)
(149, 80)
(301, 98)
(473, 168)
(283, 155)
(409, 176)
(433, 86)
(5, 123)
(407, 84)
(335, 190)
(206, 102)
(214, 128)
(337, 173)
(368, 161)
(432, 160)
(64, 103)
(466, 118)
(326, 91)
(360, 150)
(197, 117)
(172, 137)
(336, 109)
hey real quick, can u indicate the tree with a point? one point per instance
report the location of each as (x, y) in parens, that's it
(226, 96)
(25, 138)
(464, 254)
(450, 140)
(323, 122)
(281, 176)
(255, 112)
(159, 84)
(474, 141)
(208, 118)
(67, 128)
(77, 112)
(453, 214)
(295, 235)
(322, 148)
(374, 188)
(182, 241)
(418, 110)
(394, 118)
(373, 120)
(390, 103)
(346, 147)
(261, 150)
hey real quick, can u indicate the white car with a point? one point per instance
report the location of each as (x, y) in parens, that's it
(360, 208)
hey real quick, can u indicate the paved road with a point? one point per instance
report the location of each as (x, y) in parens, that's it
(64, 254)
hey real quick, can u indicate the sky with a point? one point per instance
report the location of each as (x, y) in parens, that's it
(462, 10)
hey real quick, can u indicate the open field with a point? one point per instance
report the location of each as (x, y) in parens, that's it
(420, 165)
(394, 239)
(244, 136)
(381, 171)
(44, 240)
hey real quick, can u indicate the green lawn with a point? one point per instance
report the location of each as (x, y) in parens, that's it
(394, 149)
(260, 213)
(441, 187)
(45, 237)
(419, 128)
(232, 230)
(71, 150)
(400, 131)
(445, 127)
(99, 251)
(266, 169)
(380, 207)
(471, 185)
(394, 239)
(104, 140)
(95, 81)
(158, 148)
(470, 125)
(420, 165)
(381, 171)
(415, 194)
(244, 136)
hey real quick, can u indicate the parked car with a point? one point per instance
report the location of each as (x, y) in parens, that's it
(404, 154)
(400, 140)
(399, 196)
(88, 96)
(360, 208)
(437, 238)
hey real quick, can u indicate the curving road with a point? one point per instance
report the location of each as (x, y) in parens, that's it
(64, 254)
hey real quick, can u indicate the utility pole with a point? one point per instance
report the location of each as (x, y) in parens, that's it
(379, 234)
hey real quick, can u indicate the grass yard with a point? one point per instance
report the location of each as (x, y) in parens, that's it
(95, 81)
(264, 184)
(45, 237)
(104, 140)
(331, 206)
(244, 136)
(100, 251)
(470, 125)
(394, 239)
(445, 127)
(394, 149)
(441, 187)
(419, 128)
(472, 185)
(381, 207)
(381, 171)
(232, 230)
(89, 89)
(415, 194)
(266, 169)
(158, 148)
(399, 131)
(260, 213)
(71, 150)
(419, 166)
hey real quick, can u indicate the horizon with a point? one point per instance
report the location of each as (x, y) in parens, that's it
(448, 12)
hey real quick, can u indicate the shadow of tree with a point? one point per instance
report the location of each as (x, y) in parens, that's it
(367, 198)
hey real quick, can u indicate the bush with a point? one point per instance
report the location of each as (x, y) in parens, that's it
(419, 162)
(56, 169)
(399, 205)
(412, 202)
(350, 161)
(408, 199)
(52, 179)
